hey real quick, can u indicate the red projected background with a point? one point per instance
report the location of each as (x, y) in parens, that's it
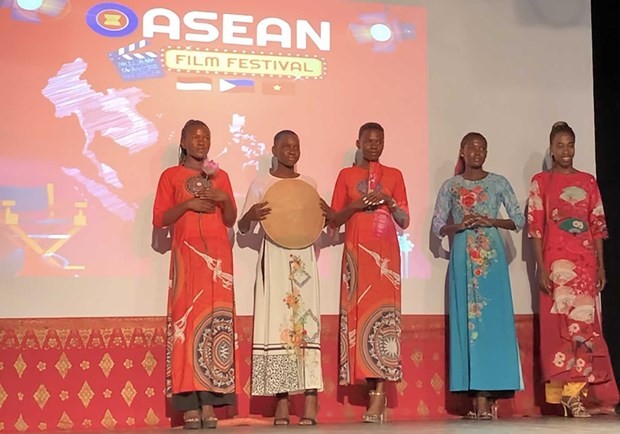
(95, 95)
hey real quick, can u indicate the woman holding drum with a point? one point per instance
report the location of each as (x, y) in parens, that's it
(286, 352)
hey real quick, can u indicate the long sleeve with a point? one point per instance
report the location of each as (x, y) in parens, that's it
(598, 225)
(512, 205)
(339, 198)
(164, 199)
(535, 210)
(442, 209)
(400, 194)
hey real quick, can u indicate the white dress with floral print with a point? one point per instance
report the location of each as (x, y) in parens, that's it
(286, 351)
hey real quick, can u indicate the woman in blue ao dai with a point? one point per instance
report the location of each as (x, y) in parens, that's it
(484, 354)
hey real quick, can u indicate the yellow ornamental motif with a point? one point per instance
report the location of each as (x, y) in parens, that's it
(106, 364)
(20, 365)
(149, 363)
(86, 394)
(63, 365)
(108, 420)
(417, 357)
(41, 396)
(437, 383)
(65, 423)
(63, 334)
(3, 396)
(151, 418)
(401, 387)
(128, 393)
(423, 409)
(20, 424)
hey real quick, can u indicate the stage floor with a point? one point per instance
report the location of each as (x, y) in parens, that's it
(598, 424)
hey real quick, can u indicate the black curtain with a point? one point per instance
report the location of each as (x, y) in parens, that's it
(605, 51)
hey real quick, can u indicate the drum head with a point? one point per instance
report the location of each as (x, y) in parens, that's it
(296, 219)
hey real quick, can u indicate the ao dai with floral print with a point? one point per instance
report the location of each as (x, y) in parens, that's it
(484, 354)
(566, 212)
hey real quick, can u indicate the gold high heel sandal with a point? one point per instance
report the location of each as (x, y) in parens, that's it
(208, 422)
(574, 406)
(191, 420)
(376, 418)
(494, 409)
(484, 409)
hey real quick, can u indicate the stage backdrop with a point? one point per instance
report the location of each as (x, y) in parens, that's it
(95, 94)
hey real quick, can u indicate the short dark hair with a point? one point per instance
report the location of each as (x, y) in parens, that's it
(472, 136)
(370, 126)
(283, 133)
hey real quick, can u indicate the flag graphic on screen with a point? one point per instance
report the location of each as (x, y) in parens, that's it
(278, 88)
(194, 83)
(235, 85)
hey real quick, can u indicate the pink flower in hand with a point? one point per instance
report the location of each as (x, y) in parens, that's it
(210, 167)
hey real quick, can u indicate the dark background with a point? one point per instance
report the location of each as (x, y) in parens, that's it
(605, 51)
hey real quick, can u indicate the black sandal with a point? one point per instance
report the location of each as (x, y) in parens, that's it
(309, 421)
(282, 421)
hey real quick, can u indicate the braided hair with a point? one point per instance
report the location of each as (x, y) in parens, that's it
(561, 127)
(186, 128)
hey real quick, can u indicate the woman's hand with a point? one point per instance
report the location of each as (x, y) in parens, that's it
(198, 204)
(328, 212)
(258, 212)
(216, 195)
(468, 222)
(601, 279)
(544, 281)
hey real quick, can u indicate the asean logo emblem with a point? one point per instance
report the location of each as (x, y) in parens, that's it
(113, 20)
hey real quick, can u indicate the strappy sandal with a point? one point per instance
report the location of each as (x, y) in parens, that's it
(487, 413)
(372, 417)
(309, 421)
(191, 420)
(282, 421)
(209, 422)
(494, 409)
(471, 415)
(572, 405)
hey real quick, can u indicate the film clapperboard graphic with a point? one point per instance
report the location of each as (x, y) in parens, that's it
(132, 65)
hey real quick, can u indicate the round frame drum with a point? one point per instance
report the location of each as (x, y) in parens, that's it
(296, 219)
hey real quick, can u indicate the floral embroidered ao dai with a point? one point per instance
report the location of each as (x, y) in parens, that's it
(484, 354)
(566, 211)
